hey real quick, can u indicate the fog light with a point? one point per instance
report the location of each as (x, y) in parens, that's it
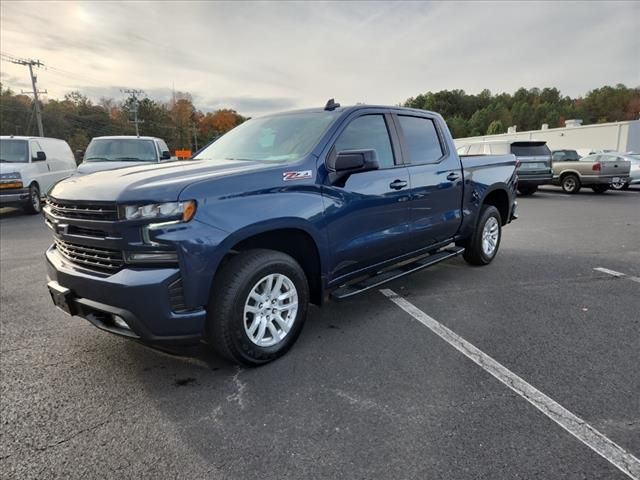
(120, 323)
(152, 257)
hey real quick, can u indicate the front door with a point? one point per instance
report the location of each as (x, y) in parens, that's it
(367, 216)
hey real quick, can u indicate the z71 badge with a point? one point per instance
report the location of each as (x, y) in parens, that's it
(303, 175)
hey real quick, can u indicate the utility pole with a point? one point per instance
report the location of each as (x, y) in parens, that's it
(34, 79)
(134, 93)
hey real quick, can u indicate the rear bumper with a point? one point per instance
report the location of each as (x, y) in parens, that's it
(14, 196)
(534, 179)
(137, 296)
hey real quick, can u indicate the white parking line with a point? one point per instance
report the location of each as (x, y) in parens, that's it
(617, 274)
(577, 427)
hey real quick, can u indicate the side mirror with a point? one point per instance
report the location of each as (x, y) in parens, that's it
(165, 155)
(40, 157)
(348, 162)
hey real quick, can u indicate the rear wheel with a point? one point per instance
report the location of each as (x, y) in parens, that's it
(600, 188)
(527, 190)
(570, 183)
(34, 204)
(619, 185)
(258, 307)
(482, 246)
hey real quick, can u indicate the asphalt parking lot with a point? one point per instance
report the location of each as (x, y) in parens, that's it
(368, 391)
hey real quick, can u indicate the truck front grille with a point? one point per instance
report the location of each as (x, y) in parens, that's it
(95, 258)
(83, 211)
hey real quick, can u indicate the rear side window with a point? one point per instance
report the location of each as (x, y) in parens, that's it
(366, 133)
(421, 139)
(530, 149)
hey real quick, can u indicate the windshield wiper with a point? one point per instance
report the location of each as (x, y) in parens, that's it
(2, 160)
(88, 159)
(131, 159)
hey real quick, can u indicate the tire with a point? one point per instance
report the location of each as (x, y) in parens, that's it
(527, 190)
(600, 188)
(34, 204)
(619, 186)
(238, 287)
(570, 183)
(477, 252)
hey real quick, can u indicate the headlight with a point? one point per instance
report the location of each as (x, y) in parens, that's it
(11, 180)
(10, 176)
(184, 210)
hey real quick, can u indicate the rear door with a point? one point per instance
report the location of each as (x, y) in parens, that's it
(367, 214)
(435, 208)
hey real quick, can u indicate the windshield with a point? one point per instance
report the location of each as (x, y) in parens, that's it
(14, 151)
(121, 150)
(280, 138)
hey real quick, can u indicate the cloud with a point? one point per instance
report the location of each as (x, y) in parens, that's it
(263, 56)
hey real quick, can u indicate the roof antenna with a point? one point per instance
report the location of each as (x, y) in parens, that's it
(331, 105)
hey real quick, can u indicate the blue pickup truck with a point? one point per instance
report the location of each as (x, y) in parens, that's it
(231, 246)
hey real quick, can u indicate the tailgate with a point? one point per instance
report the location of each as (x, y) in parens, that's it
(616, 168)
(534, 165)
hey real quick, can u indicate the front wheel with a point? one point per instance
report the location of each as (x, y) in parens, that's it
(34, 204)
(619, 185)
(482, 247)
(258, 306)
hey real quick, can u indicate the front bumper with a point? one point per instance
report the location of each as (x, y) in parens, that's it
(14, 196)
(138, 296)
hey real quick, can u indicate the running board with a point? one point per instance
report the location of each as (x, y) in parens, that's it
(379, 278)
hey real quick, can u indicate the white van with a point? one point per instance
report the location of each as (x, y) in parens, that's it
(29, 167)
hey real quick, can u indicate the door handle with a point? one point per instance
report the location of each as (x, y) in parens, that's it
(398, 184)
(453, 176)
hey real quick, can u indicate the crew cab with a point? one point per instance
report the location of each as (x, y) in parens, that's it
(109, 153)
(533, 156)
(231, 246)
(600, 172)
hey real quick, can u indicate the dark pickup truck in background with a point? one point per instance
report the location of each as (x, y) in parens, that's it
(285, 210)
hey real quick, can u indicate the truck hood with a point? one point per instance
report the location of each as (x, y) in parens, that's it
(154, 183)
(13, 167)
(90, 167)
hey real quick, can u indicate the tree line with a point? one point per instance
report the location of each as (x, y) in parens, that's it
(77, 119)
(469, 115)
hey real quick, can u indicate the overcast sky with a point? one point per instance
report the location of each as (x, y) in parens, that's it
(264, 57)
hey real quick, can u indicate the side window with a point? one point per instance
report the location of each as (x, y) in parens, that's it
(421, 139)
(476, 149)
(162, 146)
(558, 156)
(368, 132)
(35, 148)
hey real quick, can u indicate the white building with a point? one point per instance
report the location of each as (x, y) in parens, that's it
(618, 136)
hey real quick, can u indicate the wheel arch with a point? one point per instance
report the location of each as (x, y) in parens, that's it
(292, 239)
(499, 198)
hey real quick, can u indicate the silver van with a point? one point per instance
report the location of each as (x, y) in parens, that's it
(29, 167)
(533, 156)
